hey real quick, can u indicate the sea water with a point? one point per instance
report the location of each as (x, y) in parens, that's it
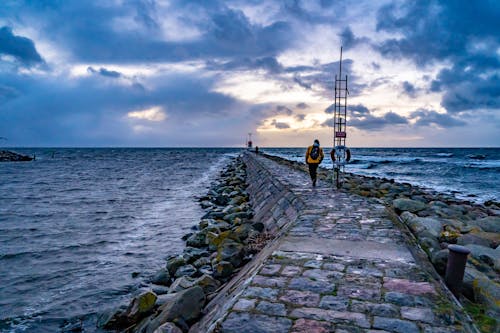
(77, 223)
(467, 173)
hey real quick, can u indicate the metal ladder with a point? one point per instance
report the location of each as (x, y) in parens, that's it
(340, 125)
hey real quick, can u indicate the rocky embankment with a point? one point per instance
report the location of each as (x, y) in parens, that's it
(8, 156)
(437, 220)
(223, 241)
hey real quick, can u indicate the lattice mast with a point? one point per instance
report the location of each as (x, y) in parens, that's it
(340, 124)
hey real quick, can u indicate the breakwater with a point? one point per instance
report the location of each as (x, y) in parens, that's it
(9, 156)
(330, 260)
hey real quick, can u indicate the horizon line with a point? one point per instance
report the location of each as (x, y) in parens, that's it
(244, 148)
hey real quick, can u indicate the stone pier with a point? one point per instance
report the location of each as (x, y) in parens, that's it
(339, 263)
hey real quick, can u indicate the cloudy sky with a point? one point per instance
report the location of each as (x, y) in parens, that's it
(205, 73)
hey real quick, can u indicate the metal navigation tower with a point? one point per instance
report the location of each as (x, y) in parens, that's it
(249, 141)
(340, 152)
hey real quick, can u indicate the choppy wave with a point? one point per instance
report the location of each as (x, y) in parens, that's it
(477, 156)
(445, 155)
(494, 165)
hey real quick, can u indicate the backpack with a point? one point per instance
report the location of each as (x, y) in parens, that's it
(314, 152)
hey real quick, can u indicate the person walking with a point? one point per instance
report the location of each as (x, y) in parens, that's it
(314, 156)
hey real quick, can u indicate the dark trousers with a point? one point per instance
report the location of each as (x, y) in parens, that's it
(313, 167)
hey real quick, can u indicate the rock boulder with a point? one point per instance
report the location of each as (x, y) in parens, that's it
(184, 307)
(413, 206)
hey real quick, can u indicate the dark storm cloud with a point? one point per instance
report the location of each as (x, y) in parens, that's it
(330, 109)
(88, 30)
(425, 117)
(104, 72)
(360, 117)
(60, 108)
(328, 123)
(21, 48)
(270, 64)
(145, 15)
(281, 109)
(349, 40)
(370, 122)
(300, 116)
(89, 112)
(437, 30)
(464, 33)
(298, 10)
(358, 110)
(467, 89)
(319, 77)
(280, 125)
(297, 79)
(409, 89)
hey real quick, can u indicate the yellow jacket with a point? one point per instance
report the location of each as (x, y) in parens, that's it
(310, 160)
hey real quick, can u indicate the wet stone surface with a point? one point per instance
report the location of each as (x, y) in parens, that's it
(324, 291)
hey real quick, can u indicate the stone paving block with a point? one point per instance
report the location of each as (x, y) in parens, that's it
(320, 274)
(395, 325)
(303, 283)
(367, 292)
(369, 221)
(348, 329)
(272, 309)
(334, 303)
(352, 318)
(311, 326)
(244, 322)
(301, 298)
(365, 271)
(271, 269)
(407, 300)
(268, 281)
(375, 309)
(334, 267)
(417, 314)
(244, 304)
(408, 287)
(293, 255)
(269, 294)
(397, 272)
(291, 271)
(313, 264)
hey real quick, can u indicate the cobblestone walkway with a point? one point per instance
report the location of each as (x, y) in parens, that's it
(342, 267)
